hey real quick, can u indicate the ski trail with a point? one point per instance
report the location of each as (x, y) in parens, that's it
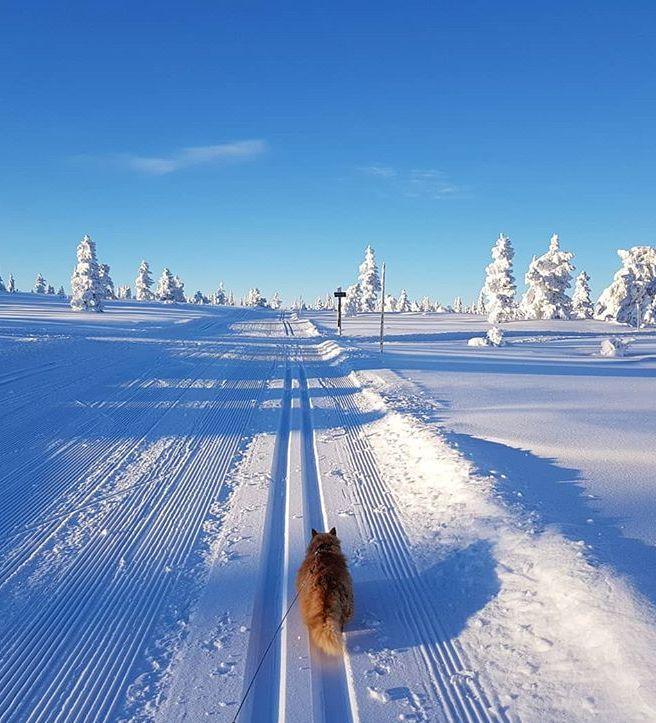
(441, 657)
(74, 651)
(71, 481)
(330, 687)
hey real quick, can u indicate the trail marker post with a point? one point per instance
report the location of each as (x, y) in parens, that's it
(382, 309)
(339, 295)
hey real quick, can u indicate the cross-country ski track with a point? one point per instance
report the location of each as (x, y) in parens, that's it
(103, 537)
(160, 487)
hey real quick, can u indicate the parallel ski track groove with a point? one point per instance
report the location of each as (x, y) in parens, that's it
(264, 703)
(95, 659)
(104, 456)
(328, 677)
(16, 478)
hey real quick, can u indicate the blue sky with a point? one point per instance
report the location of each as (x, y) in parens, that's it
(268, 143)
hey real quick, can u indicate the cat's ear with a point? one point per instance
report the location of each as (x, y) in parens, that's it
(314, 532)
(333, 532)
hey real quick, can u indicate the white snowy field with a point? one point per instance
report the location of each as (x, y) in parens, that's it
(162, 466)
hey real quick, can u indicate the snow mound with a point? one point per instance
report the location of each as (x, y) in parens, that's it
(613, 346)
(494, 337)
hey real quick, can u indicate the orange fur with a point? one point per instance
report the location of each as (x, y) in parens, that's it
(325, 591)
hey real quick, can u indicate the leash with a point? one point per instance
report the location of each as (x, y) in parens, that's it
(264, 654)
(321, 548)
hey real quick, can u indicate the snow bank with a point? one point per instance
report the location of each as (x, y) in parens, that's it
(560, 637)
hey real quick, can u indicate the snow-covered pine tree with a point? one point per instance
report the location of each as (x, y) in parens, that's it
(425, 305)
(199, 298)
(403, 303)
(275, 302)
(581, 305)
(329, 302)
(352, 302)
(166, 289)
(124, 292)
(255, 298)
(61, 293)
(87, 292)
(499, 289)
(480, 307)
(632, 294)
(50, 290)
(3, 288)
(11, 284)
(548, 278)
(40, 286)
(106, 281)
(179, 289)
(390, 303)
(220, 298)
(231, 299)
(458, 306)
(143, 282)
(368, 281)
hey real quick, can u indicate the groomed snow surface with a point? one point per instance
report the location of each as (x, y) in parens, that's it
(162, 466)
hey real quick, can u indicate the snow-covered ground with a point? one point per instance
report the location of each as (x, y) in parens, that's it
(162, 467)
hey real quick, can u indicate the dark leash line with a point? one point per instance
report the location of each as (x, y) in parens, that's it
(264, 654)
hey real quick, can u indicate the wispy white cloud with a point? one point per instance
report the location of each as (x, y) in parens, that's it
(188, 157)
(415, 183)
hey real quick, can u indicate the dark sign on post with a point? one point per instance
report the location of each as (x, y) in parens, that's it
(339, 295)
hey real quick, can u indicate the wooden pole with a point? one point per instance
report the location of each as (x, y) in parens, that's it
(382, 309)
(339, 315)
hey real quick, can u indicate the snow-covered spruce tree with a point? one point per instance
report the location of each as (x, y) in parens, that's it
(166, 289)
(425, 305)
(231, 299)
(499, 289)
(199, 298)
(61, 293)
(40, 286)
(255, 298)
(3, 288)
(632, 294)
(220, 298)
(143, 282)
(390, 303)
(50, 290)
(275, 302)
(352, 300)
(11, 284)
(124, 292)
(479, 306)
(403, 303)
(87, 292)
(329, 302)
(458, 306)
(368, 281)
(106, 281)
(581, 305)
(179, 289)
(548, 278)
